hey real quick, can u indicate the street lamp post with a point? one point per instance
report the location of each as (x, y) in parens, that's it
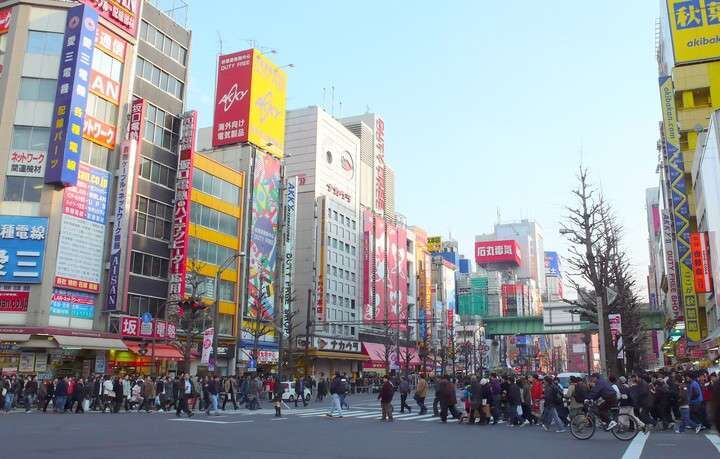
(216, 310)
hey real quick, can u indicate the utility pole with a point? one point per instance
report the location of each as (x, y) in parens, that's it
(307, 334)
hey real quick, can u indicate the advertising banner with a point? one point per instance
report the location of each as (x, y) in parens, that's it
(552, 264)
(180, 236)
(434, 244)
(22, 248)
(268, 88)
(700, 250)
(99, 132)
(123, 199)
(669, 253)
(379, 171)
(504, 251)
(122, 13)
(66, 303)
(207, 346)
(71, 97)
(391, 265)
(110, 43)
(14, 301)
(428, 290)
(232, 98)
(681, 209)
(290, 202)
(380, 306)
(694, 29)
(320, 222)
(368, 266)
(82, 231)
(104, 87)
(615, 322)
(402, 277)
(5, 17)
(263, 235)
(26, 163)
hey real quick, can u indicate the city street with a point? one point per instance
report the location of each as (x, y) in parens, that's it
(308, 433)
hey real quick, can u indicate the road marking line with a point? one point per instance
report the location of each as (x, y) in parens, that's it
(635, 448)
(356, 414)
(373, 415)
(315, 411)
(278, 419)
(417, 418)
(714, 439)
(208, 421)
(403, 415)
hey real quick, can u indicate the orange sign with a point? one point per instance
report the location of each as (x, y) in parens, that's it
(700, 253)
(110, 43)
(99, 132)
(104, 87)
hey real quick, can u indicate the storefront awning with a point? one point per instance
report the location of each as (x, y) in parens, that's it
(17, 337)
(332, 355)
(162, 351)
(87, 342)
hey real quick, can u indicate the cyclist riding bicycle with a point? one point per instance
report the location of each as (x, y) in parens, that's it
(605, 396)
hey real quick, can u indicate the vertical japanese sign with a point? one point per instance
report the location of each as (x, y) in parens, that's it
(129, 151)
(669, 255)
(22, 248)
(391, 272)
(368, 267)
(379, 198)
(122, 13)
(321, 221)
(263, 235)
(402, 276)
(380, 268)
(181, 209)
(232, 98)
(289, 245)
(82, 231)
(71, 97)
(615, 323)
(700, 250)
(207, 346)
(680, 210)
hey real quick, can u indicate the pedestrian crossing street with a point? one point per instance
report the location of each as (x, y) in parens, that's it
(369, 413)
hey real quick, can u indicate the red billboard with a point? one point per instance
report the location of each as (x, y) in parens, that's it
(504, 251)
(402, 276)
(232, 98)
(700, 252)
(181, 212)
(368, 265)
(12, 301)
(5, 16)
(380, 300)
(122, 13)
(391, 273)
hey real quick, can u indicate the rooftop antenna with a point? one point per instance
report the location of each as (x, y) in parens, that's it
(220, 42)
(499, 220)
(367, 109)
(332, 107)
(323, 99)
(340, 114)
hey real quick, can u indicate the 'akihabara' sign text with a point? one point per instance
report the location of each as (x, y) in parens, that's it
(181, 212)
(379, 166)
(505, 251)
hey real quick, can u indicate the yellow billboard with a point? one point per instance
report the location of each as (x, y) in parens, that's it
(694, 29)
(434, 244)
(268, 89)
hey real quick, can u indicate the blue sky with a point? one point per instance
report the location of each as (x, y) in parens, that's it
(488, 105)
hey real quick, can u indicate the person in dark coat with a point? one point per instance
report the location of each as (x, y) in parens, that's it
(61, 393)
(514, 401)
(448, 399)
(387, 391)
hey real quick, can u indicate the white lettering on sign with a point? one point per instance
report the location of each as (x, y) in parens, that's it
(232, 96)
(379, 165)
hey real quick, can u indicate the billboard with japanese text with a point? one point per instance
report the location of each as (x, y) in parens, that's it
(380, 269)
(504, 251)
(694, 29)
(368, 266)
(391, 273)
(700, 252)
(67, 121)
(122, 13)
(250, 98)
(22, 248)
(552, 264)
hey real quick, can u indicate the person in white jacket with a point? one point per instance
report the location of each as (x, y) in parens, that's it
(108, 394)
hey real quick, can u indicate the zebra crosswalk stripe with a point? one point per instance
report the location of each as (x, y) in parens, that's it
(416, 417)
(352, 414)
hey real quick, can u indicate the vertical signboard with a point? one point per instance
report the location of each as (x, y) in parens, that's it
(615, 323)
(700, 249)
(82, 231)
(320, 222)
(181, 210)
(381, 282)
(368, 266)
(67, 120)
(263, 235)
(671, 274)
(232, 98)
(680, 207)
(428, 290)
(268, 87)
(289, 246)
(552, 264)
(207, 346)
(402, 276)
(129, 151)
(22, 248)
(379, 173)
(5, 17)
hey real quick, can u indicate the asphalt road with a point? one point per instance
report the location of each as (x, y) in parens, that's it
(308, 433)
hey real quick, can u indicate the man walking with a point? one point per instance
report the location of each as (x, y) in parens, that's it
(387, 391)
(300, 391)
(336, 387)
(404, 390)
(421, 391)
(30, 390)
(185, 393)
(213, 389)
(61, 393)
(230, 388)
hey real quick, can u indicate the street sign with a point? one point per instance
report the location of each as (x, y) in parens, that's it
(252, 365)
(146, 317)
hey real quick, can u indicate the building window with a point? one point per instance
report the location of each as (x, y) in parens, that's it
(107, 65)
(209, 252)
(149, 265)
(45, 43)
(213, 219)
(153, 218)
(30, 138)
(159, 78)
(37, 89)
(139, 304)
(227, 290)
(101, 109)
(157, 173)
(23, 189)
(225, 324)
(162, 128)
(94, 154)
(162, 42)
(215, 186)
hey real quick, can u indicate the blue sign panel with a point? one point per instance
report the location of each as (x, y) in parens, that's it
(71, 97)
(67, 303)
(552, 264)
(22, 248)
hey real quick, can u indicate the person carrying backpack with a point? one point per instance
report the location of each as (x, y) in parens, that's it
(576, 395)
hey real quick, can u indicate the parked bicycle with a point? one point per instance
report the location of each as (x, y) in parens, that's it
(584, 424)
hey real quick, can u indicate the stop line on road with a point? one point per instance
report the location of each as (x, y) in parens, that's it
(369, 414)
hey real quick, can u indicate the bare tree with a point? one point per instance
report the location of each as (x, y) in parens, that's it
(260, 323)
(191, 319)
(597, 262)
(291, 324)
(406, 353)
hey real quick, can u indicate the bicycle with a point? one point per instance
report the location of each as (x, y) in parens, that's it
(583, 425)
